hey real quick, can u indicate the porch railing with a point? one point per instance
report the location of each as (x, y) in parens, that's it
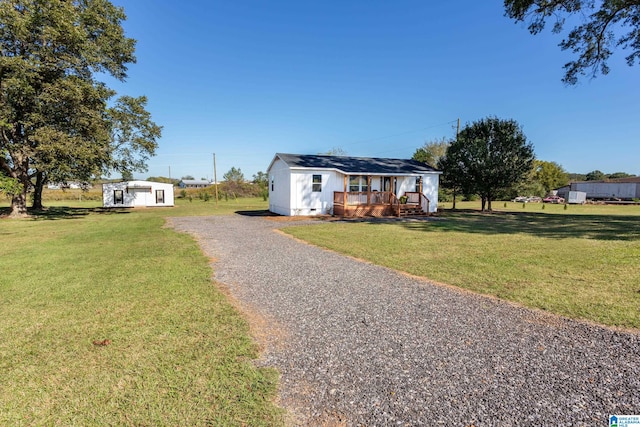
(362, 198)
(417, 198)
(359, 198)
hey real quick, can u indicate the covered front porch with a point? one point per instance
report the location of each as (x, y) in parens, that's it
(380, 196)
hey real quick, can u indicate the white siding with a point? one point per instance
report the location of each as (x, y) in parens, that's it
(430, 184)
(279, 188)
(406, 183)
(606, 190)
(136, 194)
(429, 188)
(305, 201)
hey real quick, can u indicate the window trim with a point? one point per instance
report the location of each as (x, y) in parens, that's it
(316, 183)
(118, 200)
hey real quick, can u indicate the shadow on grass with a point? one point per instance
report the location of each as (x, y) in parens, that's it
(558, 226)
(258, 212)
(64, 212)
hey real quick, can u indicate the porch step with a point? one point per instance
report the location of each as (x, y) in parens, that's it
(412, 211)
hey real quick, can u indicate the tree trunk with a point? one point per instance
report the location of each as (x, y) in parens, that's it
(37, 192)
(489, 208)
(483, 203)
(19, 200)
(454, 200)
(19, 205)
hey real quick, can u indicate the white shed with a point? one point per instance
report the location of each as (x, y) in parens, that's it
(351, 186)
(136, 194)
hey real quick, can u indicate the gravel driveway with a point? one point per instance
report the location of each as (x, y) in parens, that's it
(359, 344)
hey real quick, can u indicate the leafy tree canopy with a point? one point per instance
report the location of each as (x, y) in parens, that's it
(431, 152)
(9, 186)
(234, 175)
(596, 175)
(550, 175)
(577, 177)
(489, 156)
(261, 179)
(188, 177)
(604, 26)
(163, 179)
(617, 175)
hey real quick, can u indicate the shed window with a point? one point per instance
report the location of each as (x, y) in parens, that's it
(159, 196)
(118, 197)
(317, 184)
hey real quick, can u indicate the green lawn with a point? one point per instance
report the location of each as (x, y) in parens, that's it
(582, 262)
(177, 352)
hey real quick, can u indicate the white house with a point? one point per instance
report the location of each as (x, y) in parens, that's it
(351, 186)
(136, 194)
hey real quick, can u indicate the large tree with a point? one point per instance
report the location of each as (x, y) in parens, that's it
(431, 152)
(550, 175)
(489, 156)
(596, 175)
(234, 175)
(56, 121)
(604, 26)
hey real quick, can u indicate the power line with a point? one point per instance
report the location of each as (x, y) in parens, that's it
(400, 134)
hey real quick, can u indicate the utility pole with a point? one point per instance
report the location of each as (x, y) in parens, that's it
(215, 177)
(458, 131)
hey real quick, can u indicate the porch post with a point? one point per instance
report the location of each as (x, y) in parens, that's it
(368, 190)
(344, 193)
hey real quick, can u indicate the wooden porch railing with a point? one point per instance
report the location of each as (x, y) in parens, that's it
(381, 198)
(395, 204)
(417, 198)
(362, 198)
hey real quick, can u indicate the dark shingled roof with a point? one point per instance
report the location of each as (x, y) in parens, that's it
(356, 165)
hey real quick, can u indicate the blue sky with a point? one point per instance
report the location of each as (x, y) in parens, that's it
(247, 79)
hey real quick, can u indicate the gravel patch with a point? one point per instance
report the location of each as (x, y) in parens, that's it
(362, 345)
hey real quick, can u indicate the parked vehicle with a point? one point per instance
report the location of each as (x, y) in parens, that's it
(553, 199)
(530, 199)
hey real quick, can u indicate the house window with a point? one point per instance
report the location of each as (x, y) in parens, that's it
(317, 183)
(418, 183)
(358, 183)
(159, 196)
(118, 197)
(354, 183)
(272, 179)
(364, 187)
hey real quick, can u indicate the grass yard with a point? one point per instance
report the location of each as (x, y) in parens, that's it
(107, 318)
(582, 262)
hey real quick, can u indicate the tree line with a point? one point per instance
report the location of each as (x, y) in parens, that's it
(491, 158)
